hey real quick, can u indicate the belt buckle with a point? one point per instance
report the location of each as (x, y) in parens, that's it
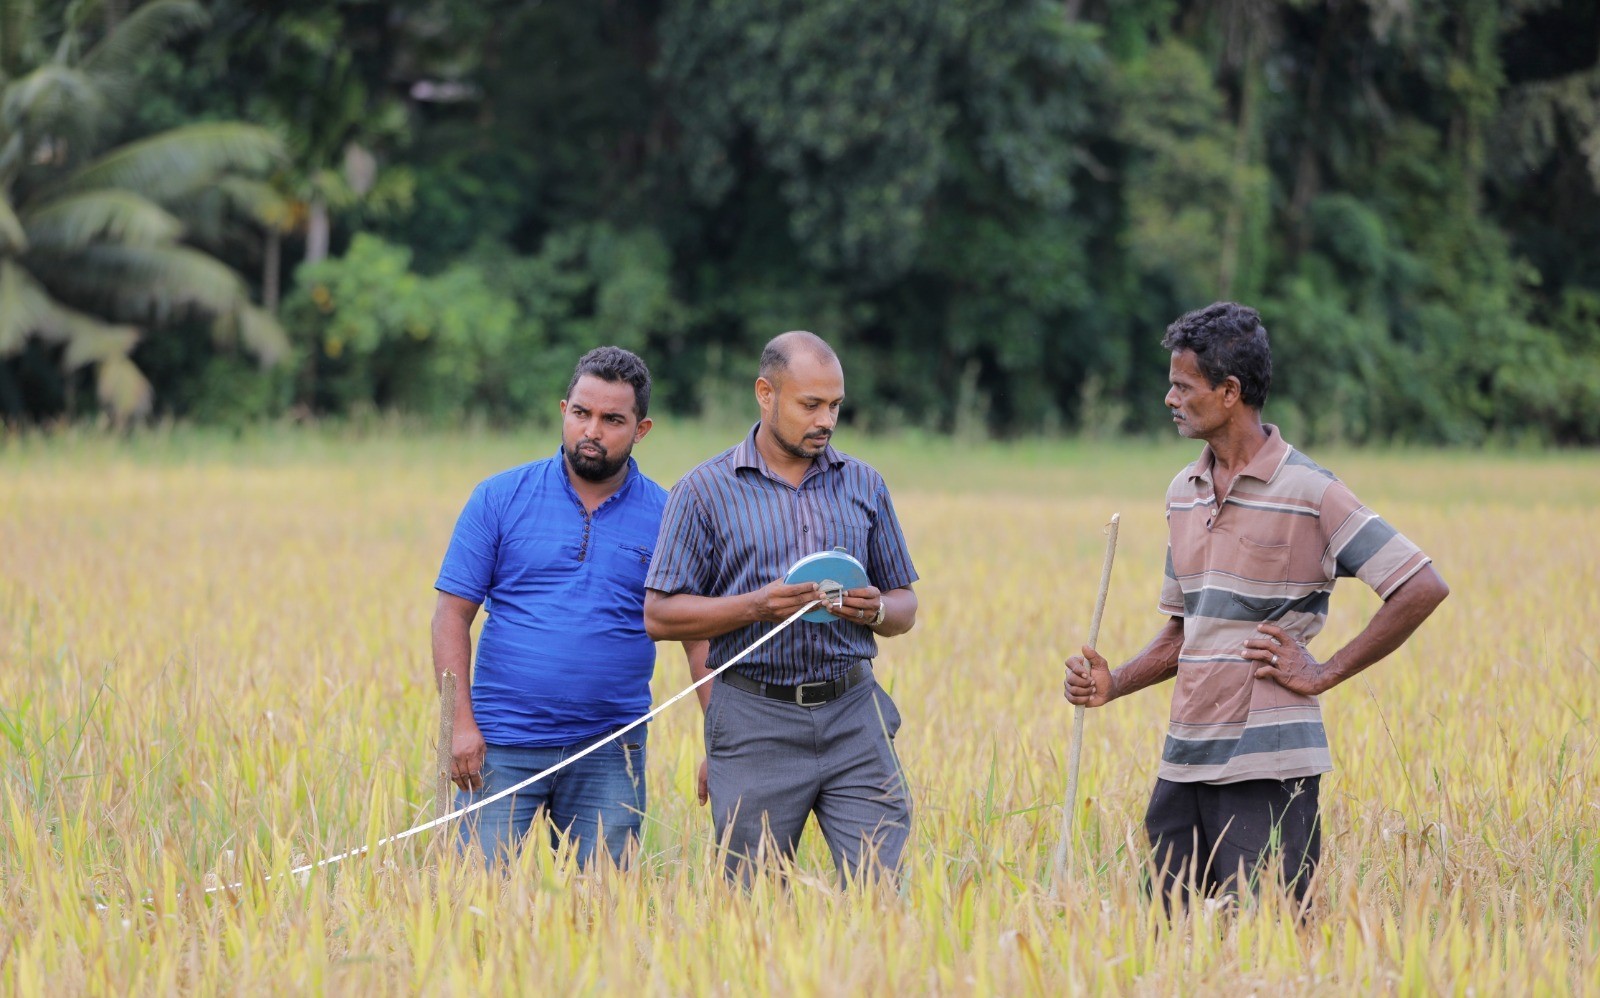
(800, 693)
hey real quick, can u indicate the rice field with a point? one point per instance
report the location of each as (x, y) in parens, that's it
(214, 666)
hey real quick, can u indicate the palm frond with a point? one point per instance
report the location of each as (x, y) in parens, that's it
(52, 99)
(257, 199)
(13, 239)
(12, 147)
(122, 388)
(16, 34)
(70, 223)
(25, 308)
(229, 209)
(95, 342)
(148, 28)
(145, 284)
(261, 335)
(173, 163)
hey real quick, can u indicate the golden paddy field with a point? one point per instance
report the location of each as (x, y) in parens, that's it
(214, 666)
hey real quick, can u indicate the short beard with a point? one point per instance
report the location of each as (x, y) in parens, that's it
(796, 449)
(594, 469)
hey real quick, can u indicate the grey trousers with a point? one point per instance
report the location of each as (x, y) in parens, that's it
(773, 764)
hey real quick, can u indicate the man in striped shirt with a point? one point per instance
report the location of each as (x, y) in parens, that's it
(1257, 535)
(800, 727)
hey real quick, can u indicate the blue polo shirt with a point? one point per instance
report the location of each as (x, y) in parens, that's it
(563, 656)
(732, 525)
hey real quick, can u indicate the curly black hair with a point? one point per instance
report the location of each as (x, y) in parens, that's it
(1227, 339)
(616, 364)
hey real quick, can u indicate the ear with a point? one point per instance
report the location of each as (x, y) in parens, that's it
(1232, 390)
(764, 393)
(563, 407)
(644, 427)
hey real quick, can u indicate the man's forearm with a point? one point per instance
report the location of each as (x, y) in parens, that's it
(899, 612)
(452, 652)
(697, 652)
(1156, 663)
(1401, 614)
(685, 617)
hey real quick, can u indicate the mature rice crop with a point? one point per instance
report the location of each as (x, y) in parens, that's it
(214, 666)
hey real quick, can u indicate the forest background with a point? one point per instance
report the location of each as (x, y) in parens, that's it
(240, 210)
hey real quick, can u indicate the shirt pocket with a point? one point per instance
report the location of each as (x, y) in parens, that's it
(847, 527)
(624, 563)
(1261, 586)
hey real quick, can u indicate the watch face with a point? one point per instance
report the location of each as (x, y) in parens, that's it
(835, 566)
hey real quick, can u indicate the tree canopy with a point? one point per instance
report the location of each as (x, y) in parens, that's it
(992, 208)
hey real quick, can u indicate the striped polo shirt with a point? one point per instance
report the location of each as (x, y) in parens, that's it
(1270, 552)
(732, 526)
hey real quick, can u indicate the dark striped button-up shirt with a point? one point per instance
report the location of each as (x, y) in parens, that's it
(732, 526)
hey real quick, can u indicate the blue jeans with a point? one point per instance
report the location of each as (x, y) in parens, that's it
(598, 799)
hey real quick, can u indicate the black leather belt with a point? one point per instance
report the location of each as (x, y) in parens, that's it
(806, 694)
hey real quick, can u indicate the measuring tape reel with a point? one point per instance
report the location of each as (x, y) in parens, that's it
(833, 571)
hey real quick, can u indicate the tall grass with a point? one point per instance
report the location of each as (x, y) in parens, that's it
(215, 667)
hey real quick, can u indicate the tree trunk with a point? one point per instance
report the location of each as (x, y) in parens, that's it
(1307, 179)
(1244, 137)
(272, 270)
(317, 226)
(1475, 47)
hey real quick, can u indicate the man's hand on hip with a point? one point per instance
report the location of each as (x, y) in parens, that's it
(1286, 661)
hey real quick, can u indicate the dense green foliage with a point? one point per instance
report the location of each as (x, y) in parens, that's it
(92, 241)
(992, 207)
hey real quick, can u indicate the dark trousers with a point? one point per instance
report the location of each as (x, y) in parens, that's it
(1213, 839)
(772, 765)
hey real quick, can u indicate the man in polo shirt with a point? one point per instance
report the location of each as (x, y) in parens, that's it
(800, 727)
(558, 549)
(1257, 535)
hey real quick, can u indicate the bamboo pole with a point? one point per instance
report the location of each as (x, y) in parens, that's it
(443, 797)
(1058, 862)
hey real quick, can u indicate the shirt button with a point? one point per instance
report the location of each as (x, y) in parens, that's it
(805, 529)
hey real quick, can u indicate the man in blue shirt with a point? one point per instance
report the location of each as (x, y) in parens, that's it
(558, 549)
(800, 727)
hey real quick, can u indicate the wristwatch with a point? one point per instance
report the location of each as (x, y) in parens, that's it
(877, 618)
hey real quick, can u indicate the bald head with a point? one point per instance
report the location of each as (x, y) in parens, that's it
(781, 352)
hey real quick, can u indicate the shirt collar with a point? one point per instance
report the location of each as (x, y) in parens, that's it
(747, 455)
(1262, 467)
(565, 475)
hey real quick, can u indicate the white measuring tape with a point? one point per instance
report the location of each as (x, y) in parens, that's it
(834, 594)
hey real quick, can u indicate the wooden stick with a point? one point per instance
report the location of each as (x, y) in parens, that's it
(1058, 863)
(443, 797)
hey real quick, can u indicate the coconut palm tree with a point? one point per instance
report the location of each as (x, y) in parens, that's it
(95, 248)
